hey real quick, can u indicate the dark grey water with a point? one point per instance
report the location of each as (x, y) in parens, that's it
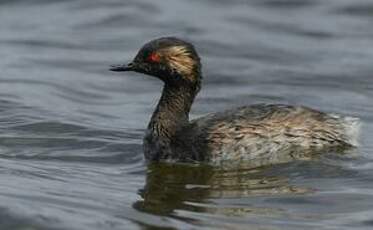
(71, 131)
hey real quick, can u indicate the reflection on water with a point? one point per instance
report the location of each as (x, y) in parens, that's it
(186, 187)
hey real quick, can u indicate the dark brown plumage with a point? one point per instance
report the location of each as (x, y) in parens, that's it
(259, 133)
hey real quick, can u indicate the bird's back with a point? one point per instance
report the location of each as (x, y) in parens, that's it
(268, 132)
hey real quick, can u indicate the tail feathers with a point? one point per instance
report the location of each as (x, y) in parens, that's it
(351, 127)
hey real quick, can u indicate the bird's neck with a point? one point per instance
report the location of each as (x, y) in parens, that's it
(172, 112)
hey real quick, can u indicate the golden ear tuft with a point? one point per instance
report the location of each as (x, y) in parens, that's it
(180, 59)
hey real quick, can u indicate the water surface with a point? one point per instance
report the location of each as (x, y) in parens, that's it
(71, 131)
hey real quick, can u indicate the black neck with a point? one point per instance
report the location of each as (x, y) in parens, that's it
(172, 112)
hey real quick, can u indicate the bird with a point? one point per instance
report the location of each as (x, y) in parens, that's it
(259, 133)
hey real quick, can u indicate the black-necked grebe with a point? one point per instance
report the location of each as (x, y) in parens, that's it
(254, 132)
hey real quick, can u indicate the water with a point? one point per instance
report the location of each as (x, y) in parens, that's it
(71, 131)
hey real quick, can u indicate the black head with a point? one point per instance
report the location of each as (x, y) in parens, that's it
(170, 59)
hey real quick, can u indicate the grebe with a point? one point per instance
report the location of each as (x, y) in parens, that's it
(247, 133)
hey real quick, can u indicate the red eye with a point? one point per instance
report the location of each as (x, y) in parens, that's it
(153, 57)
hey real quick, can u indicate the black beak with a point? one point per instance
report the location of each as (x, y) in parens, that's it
(121, 68)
